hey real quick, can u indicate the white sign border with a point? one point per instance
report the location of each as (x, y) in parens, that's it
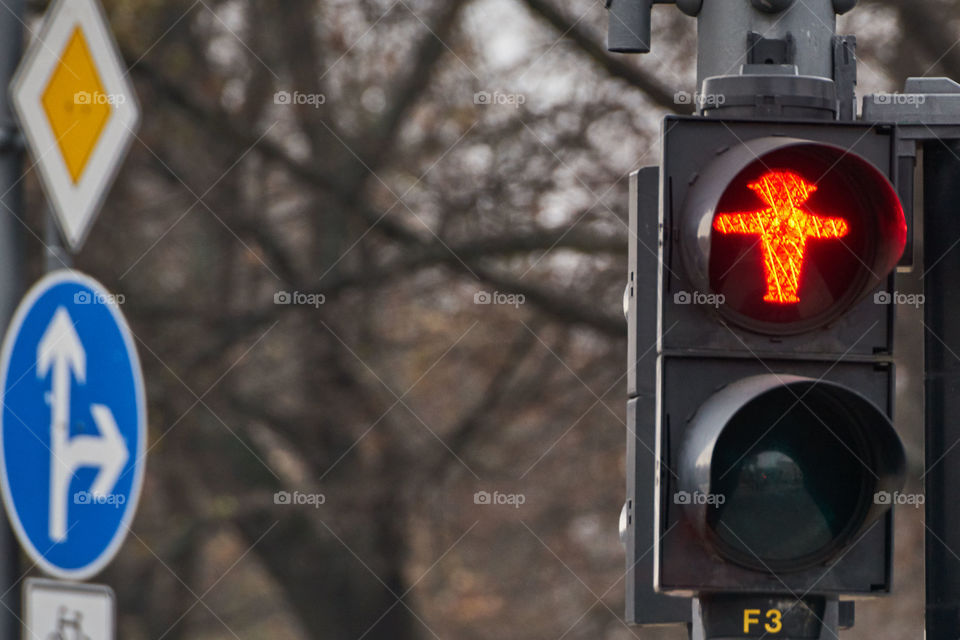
(76, 205)
(140, 463)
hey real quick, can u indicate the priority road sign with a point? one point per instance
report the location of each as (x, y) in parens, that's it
(72, 426)
(78, 111)
(56, 610)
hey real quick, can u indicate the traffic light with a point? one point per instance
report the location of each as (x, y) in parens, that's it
(761, 372)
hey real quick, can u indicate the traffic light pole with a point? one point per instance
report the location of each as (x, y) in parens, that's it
(725, 41)
(11, 275)
(56, 256)
(941, 163)
(721, 616)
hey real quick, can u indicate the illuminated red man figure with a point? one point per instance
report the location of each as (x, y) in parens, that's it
(784, 228)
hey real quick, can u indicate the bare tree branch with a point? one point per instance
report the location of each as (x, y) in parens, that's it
(617, 67)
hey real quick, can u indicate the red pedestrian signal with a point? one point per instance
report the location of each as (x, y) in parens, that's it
(784, 228)
(790, 233)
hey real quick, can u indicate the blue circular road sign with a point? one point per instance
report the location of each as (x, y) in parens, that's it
(72, 425)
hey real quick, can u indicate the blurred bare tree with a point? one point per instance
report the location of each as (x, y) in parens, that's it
(373, 250)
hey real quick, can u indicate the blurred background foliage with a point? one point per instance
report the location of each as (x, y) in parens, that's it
(453, 147)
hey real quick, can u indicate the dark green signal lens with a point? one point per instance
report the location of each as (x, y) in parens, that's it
(793, 480)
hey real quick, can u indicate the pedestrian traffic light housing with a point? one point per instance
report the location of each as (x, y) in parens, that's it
(772, 397)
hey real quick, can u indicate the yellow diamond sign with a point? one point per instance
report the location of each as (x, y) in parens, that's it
(76, 104)
(77, 110)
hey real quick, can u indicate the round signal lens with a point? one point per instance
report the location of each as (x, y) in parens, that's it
(793, 485)
(800, 233)
(791, 468)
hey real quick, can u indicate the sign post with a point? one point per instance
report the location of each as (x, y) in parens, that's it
(11, 276)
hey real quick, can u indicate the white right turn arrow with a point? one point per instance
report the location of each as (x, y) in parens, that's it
(61, 351)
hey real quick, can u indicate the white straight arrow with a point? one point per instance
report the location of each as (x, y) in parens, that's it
(60, 349)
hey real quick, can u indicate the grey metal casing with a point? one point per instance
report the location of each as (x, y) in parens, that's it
(643, 605)
(696, 355)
